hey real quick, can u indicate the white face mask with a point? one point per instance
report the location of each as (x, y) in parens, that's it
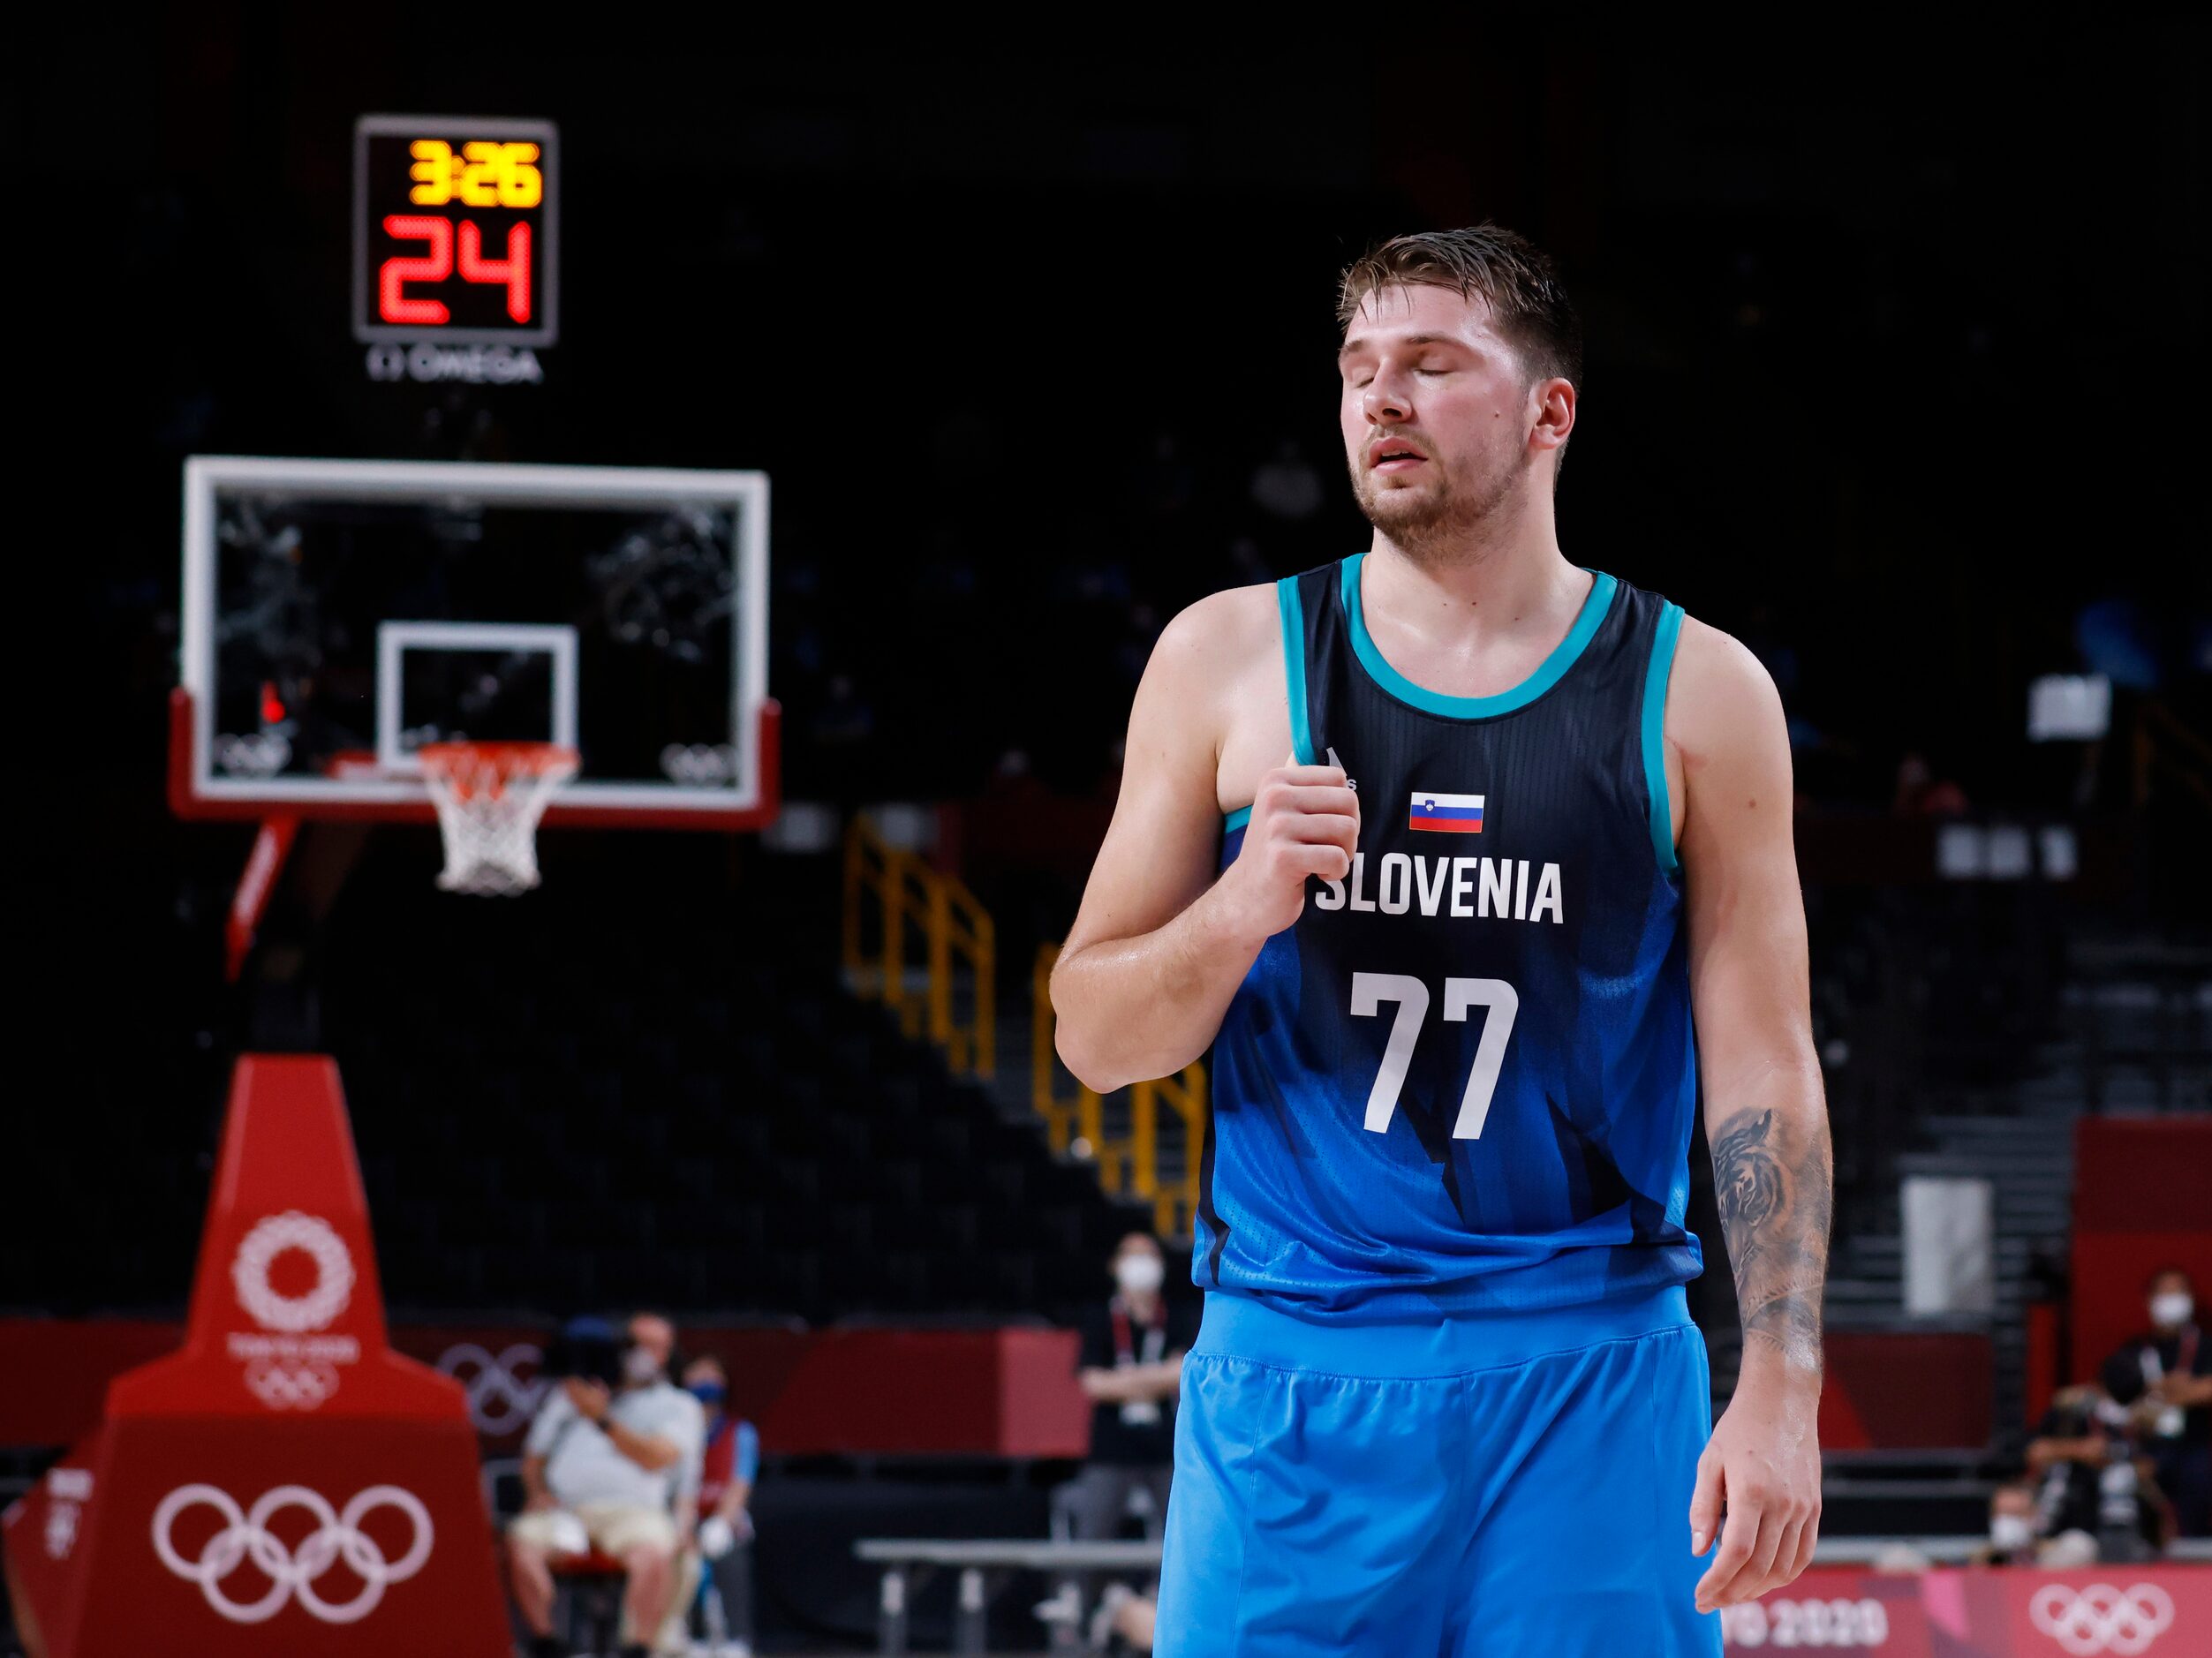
(639, 1366)
(2009, 1532)
(2171, 1308)
(1139, 1275)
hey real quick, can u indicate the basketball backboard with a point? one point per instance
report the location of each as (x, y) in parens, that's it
(339, 615)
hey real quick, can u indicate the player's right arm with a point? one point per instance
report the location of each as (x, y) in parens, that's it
(545, 1428)
(536, 1494)
(1159, 944)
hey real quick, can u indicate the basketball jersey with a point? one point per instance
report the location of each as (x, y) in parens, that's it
(1464, 1078)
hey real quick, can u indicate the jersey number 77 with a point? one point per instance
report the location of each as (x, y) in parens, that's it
(1370, 990)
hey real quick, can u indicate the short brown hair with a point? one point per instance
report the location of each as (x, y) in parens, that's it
(1529, 305)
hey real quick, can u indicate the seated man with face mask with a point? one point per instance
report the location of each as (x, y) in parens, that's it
(2013, 1533)
(2165, 1378)
(609, 1462)
(1130, 1368)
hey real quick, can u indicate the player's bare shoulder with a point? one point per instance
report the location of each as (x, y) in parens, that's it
(1720, 693)
(1220, 639)
(1727, 741)
(1217, 672)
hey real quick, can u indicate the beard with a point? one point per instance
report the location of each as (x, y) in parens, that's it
(1442, 517)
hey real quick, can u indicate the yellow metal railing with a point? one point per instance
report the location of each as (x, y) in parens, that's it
(1128, 1162)
(1062, 1116)
(916, 906)
(947, 995)
(1184, 1094)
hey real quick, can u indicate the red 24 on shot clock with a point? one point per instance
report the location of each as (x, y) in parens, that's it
(455, 229)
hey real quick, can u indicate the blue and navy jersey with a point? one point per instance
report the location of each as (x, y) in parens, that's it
(1465, 1077)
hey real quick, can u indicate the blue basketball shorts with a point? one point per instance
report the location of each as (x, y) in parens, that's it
(1500, 1483)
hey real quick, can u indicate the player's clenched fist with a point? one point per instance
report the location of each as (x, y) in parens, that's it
(1305, 822)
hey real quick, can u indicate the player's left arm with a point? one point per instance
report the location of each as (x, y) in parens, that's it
(1765, 1112)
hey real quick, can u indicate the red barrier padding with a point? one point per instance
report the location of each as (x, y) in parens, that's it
(2040, 1381)
(1042, 1411)
(1905, 1390)
(2140, 1203)
(933, 1392)
(863, 1393)
(964, 1392)
(2009, 1612)
(2143, 1173)
(58, 1370)
(285, 1483)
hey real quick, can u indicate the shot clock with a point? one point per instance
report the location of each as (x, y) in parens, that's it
(455, 229)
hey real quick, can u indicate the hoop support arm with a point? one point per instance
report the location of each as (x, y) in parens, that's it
(263, 865)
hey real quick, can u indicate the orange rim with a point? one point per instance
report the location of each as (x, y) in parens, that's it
(486, 767)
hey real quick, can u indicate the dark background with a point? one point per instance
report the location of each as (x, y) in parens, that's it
(1897, 341)
(1897, 344)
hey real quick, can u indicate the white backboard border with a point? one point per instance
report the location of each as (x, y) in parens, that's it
(197, 790)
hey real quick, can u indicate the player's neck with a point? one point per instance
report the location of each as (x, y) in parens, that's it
(1510, 580)
(1506, 563)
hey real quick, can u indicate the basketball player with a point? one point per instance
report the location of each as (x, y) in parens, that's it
(1443, 849)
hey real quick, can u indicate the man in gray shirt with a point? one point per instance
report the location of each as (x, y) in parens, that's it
(612, 1470)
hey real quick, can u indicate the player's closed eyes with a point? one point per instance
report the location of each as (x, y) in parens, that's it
(1361, 379)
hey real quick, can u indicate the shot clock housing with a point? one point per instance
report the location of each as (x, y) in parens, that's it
(457, 227)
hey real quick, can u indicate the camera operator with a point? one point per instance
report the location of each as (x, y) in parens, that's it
(2094, 1497)
(613, 1452)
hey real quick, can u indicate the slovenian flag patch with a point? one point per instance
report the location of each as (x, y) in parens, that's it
(1447, 814)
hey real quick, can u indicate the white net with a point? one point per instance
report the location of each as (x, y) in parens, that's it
(490, 797)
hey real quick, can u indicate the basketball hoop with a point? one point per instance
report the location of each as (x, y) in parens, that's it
(490, 797)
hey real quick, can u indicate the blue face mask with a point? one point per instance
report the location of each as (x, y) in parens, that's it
(711, 1394)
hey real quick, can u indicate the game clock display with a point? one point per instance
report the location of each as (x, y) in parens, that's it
(455, 229)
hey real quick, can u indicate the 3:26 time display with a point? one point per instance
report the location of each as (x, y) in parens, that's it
(456, 226)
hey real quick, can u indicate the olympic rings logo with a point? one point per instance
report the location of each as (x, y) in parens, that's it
(713, 764)
(291, 1387)
(2101, 1618)
(246, 1535)
(500, 1400)
(262, 754)
(271, 1236)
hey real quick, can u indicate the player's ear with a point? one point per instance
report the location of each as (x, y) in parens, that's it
(1551, 411)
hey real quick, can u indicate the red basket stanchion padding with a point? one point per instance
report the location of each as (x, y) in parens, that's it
(490, 797)
(285, 1484)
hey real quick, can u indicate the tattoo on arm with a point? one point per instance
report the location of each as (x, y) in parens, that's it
(1773, 1184)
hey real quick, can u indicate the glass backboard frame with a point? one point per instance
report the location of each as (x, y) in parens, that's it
(372, 793)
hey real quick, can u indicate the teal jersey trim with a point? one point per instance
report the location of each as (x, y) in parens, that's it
(1294, 619)
(1654, 676)
(1293, 612)
(1547, 675)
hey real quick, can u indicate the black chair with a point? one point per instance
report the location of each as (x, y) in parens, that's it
(587, 1602)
